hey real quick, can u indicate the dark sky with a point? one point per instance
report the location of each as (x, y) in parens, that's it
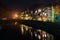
(23, 3)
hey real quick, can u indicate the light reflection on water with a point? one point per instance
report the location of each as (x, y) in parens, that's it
(34, 33)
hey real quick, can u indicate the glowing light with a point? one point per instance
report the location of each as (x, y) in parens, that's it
(26, 27)
(45, 14)
(22, 30)
(44, 34)
(36, 11)
(15, 23)
(56, 9)
(26, 15)
(39, 19)
(39, 36)
(39, 30)
(15, 16)
(44, 19)
(4, 18)
(35, 34)
(39, 10)
(52, 14)
(28, 18)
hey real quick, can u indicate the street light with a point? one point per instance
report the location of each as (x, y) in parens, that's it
(15, 15)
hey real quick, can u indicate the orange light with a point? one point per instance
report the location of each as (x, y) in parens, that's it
(56, 9)
(15, 16)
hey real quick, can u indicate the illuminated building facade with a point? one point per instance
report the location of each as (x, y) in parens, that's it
(39, 14)
(50, 14)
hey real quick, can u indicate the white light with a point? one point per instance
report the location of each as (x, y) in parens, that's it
(35, 34)
(26, 15)
(39, 10)
(43, 13)
(39, 36)
(45, 35)
(36, 11)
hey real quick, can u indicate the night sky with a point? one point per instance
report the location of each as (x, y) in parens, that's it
(20, 5)
(23, 3)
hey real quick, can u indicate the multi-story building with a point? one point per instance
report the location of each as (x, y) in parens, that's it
(49, 13)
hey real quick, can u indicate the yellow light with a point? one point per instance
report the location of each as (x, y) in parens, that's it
(39, 19)
(30, 27)
(28, 18)
(22, 30)
(45, 19)
(39, 30)
(15, 16)
(26, 27)
(21, 17)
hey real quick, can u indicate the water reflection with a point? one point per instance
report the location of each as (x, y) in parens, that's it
(34, 34)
